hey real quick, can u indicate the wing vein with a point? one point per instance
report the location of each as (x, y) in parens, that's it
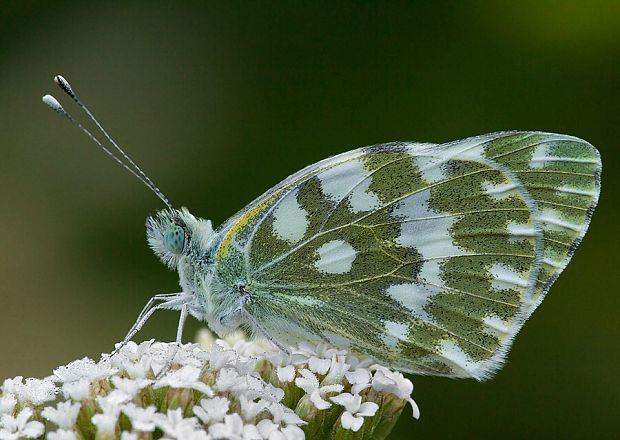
(357, 184)
(387, 205)
(452, 214)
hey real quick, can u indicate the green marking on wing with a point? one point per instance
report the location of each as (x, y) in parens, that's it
(428, 258)
(426, 247)
(562, 174)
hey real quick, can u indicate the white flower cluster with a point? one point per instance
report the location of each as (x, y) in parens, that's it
(231, 389)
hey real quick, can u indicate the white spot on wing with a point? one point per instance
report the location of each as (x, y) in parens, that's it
(290, 220)
(551, 217)
(395, 331)
(430, 169)
(414, 297)
(431, 272)
(458, 358)
(414, 207)
(504, 277)
(539, 157)
(337, 181)
(553, 263)
(423, 228)
(499, 191)
(335, 257)
(345, 178)
(569, 190)
(468, 149)
(522, 230)
(362, 200)
(495, 326)
(519, 231)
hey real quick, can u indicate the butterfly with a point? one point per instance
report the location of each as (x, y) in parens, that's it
(427, 258)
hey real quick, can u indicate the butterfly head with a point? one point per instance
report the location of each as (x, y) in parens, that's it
(174, 233)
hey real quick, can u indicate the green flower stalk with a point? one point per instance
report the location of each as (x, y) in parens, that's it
(215, 389)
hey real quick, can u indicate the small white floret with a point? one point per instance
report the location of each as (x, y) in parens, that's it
(212, 410)
(33, 391)
(64, 415)
(78, 390)
(185, 377)
(219, 357)
(84, 368)
(318, 365)
(394, 382)
(233, 428)
(271, 393)
(250, 409)
(20, 426)
(286, 373)
(130, 387)
(310, 384)
(7, 404)
(337, 370)
(175, 425)
(105, 423)
(283, 415)
(142, 419)
(64, 434)
(355, 411)
(360, 379)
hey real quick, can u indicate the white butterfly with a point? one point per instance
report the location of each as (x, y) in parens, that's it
(427, 258)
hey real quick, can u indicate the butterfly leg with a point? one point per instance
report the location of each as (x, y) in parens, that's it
(170, 301)
(153, 300)
(182, 318)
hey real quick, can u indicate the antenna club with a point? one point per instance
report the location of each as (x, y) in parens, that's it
(129, 164)
(53, 103)
(64, 85)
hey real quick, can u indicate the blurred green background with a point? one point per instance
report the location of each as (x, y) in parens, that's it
(219, 101)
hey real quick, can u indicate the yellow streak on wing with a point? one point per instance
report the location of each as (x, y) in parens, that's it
(224, 246)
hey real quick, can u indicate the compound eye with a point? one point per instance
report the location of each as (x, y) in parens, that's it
(174, 239)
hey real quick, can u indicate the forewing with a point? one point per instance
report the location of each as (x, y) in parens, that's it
(428, 258)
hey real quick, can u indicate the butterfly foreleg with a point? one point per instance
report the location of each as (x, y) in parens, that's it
(152, 301)
(182, 318)
(171, 301)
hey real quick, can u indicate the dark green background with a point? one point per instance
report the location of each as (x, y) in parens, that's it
(220, 101)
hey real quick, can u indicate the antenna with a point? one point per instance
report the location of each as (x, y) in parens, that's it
(130, 166)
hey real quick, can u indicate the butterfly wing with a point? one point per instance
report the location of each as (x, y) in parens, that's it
(428, 258)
